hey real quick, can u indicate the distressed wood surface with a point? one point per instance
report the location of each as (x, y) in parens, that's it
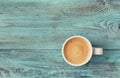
(33, 31)
(50, 64)
(46, 24)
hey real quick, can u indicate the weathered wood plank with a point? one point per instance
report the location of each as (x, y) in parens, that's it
(49, 63)
(46, 24)
(40, 39)
(32, 33)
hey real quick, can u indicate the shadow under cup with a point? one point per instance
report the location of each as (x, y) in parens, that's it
(77, 50)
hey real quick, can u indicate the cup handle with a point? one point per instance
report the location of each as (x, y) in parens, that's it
(97, 51)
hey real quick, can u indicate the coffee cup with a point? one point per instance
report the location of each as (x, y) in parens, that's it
(78, 50)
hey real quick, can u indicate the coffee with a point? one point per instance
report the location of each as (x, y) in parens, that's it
(76, 50)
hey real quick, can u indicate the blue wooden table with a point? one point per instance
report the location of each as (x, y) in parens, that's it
(33, 31)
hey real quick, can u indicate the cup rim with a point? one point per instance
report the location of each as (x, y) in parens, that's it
(89, 46)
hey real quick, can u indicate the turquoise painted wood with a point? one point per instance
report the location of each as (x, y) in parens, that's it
(38, 24)
(50, 64)
(33, 31)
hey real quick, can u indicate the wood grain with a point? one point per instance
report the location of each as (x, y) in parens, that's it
(33, 31)
(46, 24)
(49, 63)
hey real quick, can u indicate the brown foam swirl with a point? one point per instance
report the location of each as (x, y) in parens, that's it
(76, 50)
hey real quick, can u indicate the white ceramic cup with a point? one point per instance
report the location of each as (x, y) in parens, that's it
(93, 51)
